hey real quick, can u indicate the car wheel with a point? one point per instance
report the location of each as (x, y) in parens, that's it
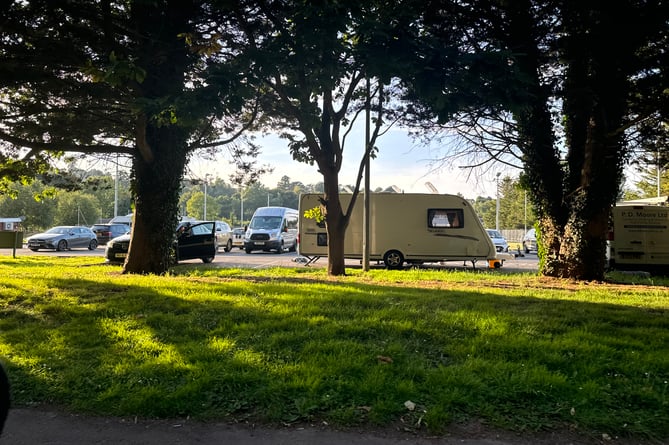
(62, 245)
(34, 249)
(248, 250)
(207, 259)
(393, 259)
(228, 246)
(293, 248)
(525, 248)
(93, 245)
(280, 249)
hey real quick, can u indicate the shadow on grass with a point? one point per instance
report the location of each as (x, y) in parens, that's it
(293, 350)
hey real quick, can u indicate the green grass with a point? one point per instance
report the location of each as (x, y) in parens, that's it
(518, 352)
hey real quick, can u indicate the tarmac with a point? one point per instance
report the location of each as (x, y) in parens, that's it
(36, 426)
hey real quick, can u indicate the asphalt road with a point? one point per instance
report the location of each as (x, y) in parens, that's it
(259, 259)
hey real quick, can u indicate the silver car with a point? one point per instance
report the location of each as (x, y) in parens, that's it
(498, 240)
(223, 236)
(63, 238)
(530, 241)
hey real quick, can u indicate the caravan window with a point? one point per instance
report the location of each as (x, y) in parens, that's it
(440, 218)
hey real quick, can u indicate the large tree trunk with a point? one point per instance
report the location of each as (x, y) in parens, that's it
(595, 101)
(573, 203)
(161, 136)
(335, 223)
(543, 171)
(157, 185)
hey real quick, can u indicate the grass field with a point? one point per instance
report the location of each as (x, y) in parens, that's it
(425, 348)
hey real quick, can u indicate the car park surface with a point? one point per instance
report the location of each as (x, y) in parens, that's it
(238, 259)
(61, 238)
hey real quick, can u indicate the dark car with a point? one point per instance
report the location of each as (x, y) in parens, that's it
(192, 240)
(105, 232)
(63, 238)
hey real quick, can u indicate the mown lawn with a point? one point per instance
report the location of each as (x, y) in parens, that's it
(426, 348)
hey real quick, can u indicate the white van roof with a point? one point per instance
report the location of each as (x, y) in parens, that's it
(272, 211)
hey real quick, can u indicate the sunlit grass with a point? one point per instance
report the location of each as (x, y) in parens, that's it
(282, 345)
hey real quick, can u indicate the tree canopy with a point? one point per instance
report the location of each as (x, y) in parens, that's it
(551, 86)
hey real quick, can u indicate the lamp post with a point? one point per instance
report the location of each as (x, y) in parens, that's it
(241, 204)
(497, 204)
(206, 180)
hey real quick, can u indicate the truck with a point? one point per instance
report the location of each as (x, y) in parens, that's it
(412, 228)
(639, 237)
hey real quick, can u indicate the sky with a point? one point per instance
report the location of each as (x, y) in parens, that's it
(401, 162)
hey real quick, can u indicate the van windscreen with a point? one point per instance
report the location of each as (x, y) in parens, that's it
(266, 222)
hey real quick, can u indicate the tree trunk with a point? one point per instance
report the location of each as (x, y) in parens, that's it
(157, 185)
(573, 202)
(595, 104)
(543, 173)
(162, 136)
(335, 223)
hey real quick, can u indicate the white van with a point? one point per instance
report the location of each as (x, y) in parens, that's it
(405, 227)
(639, 238)
(272, 228)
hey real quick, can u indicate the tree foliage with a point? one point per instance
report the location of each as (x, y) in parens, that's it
(127, 77)
(561, 90)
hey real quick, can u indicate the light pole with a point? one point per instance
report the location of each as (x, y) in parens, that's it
(241, 201)
(497, 204)
(206, 179)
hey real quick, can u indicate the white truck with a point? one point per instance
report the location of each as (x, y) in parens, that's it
(639, 238)
(414, 228)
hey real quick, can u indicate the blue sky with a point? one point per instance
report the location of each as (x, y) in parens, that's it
(400, 162)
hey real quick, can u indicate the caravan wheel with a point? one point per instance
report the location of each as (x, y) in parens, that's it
(393, 259)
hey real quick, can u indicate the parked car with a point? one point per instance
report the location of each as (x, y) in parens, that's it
(498, 240)
(191, 240)
(105, 232)
(223, 236)
(530, 241)
(63, 238)
(238, 237)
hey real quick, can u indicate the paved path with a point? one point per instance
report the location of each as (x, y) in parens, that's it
(44, 427)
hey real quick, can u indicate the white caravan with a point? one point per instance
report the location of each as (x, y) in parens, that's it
(639, 238)
(404, 227)
(272, 228)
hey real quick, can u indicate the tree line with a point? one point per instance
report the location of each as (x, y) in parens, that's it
(100, 196)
